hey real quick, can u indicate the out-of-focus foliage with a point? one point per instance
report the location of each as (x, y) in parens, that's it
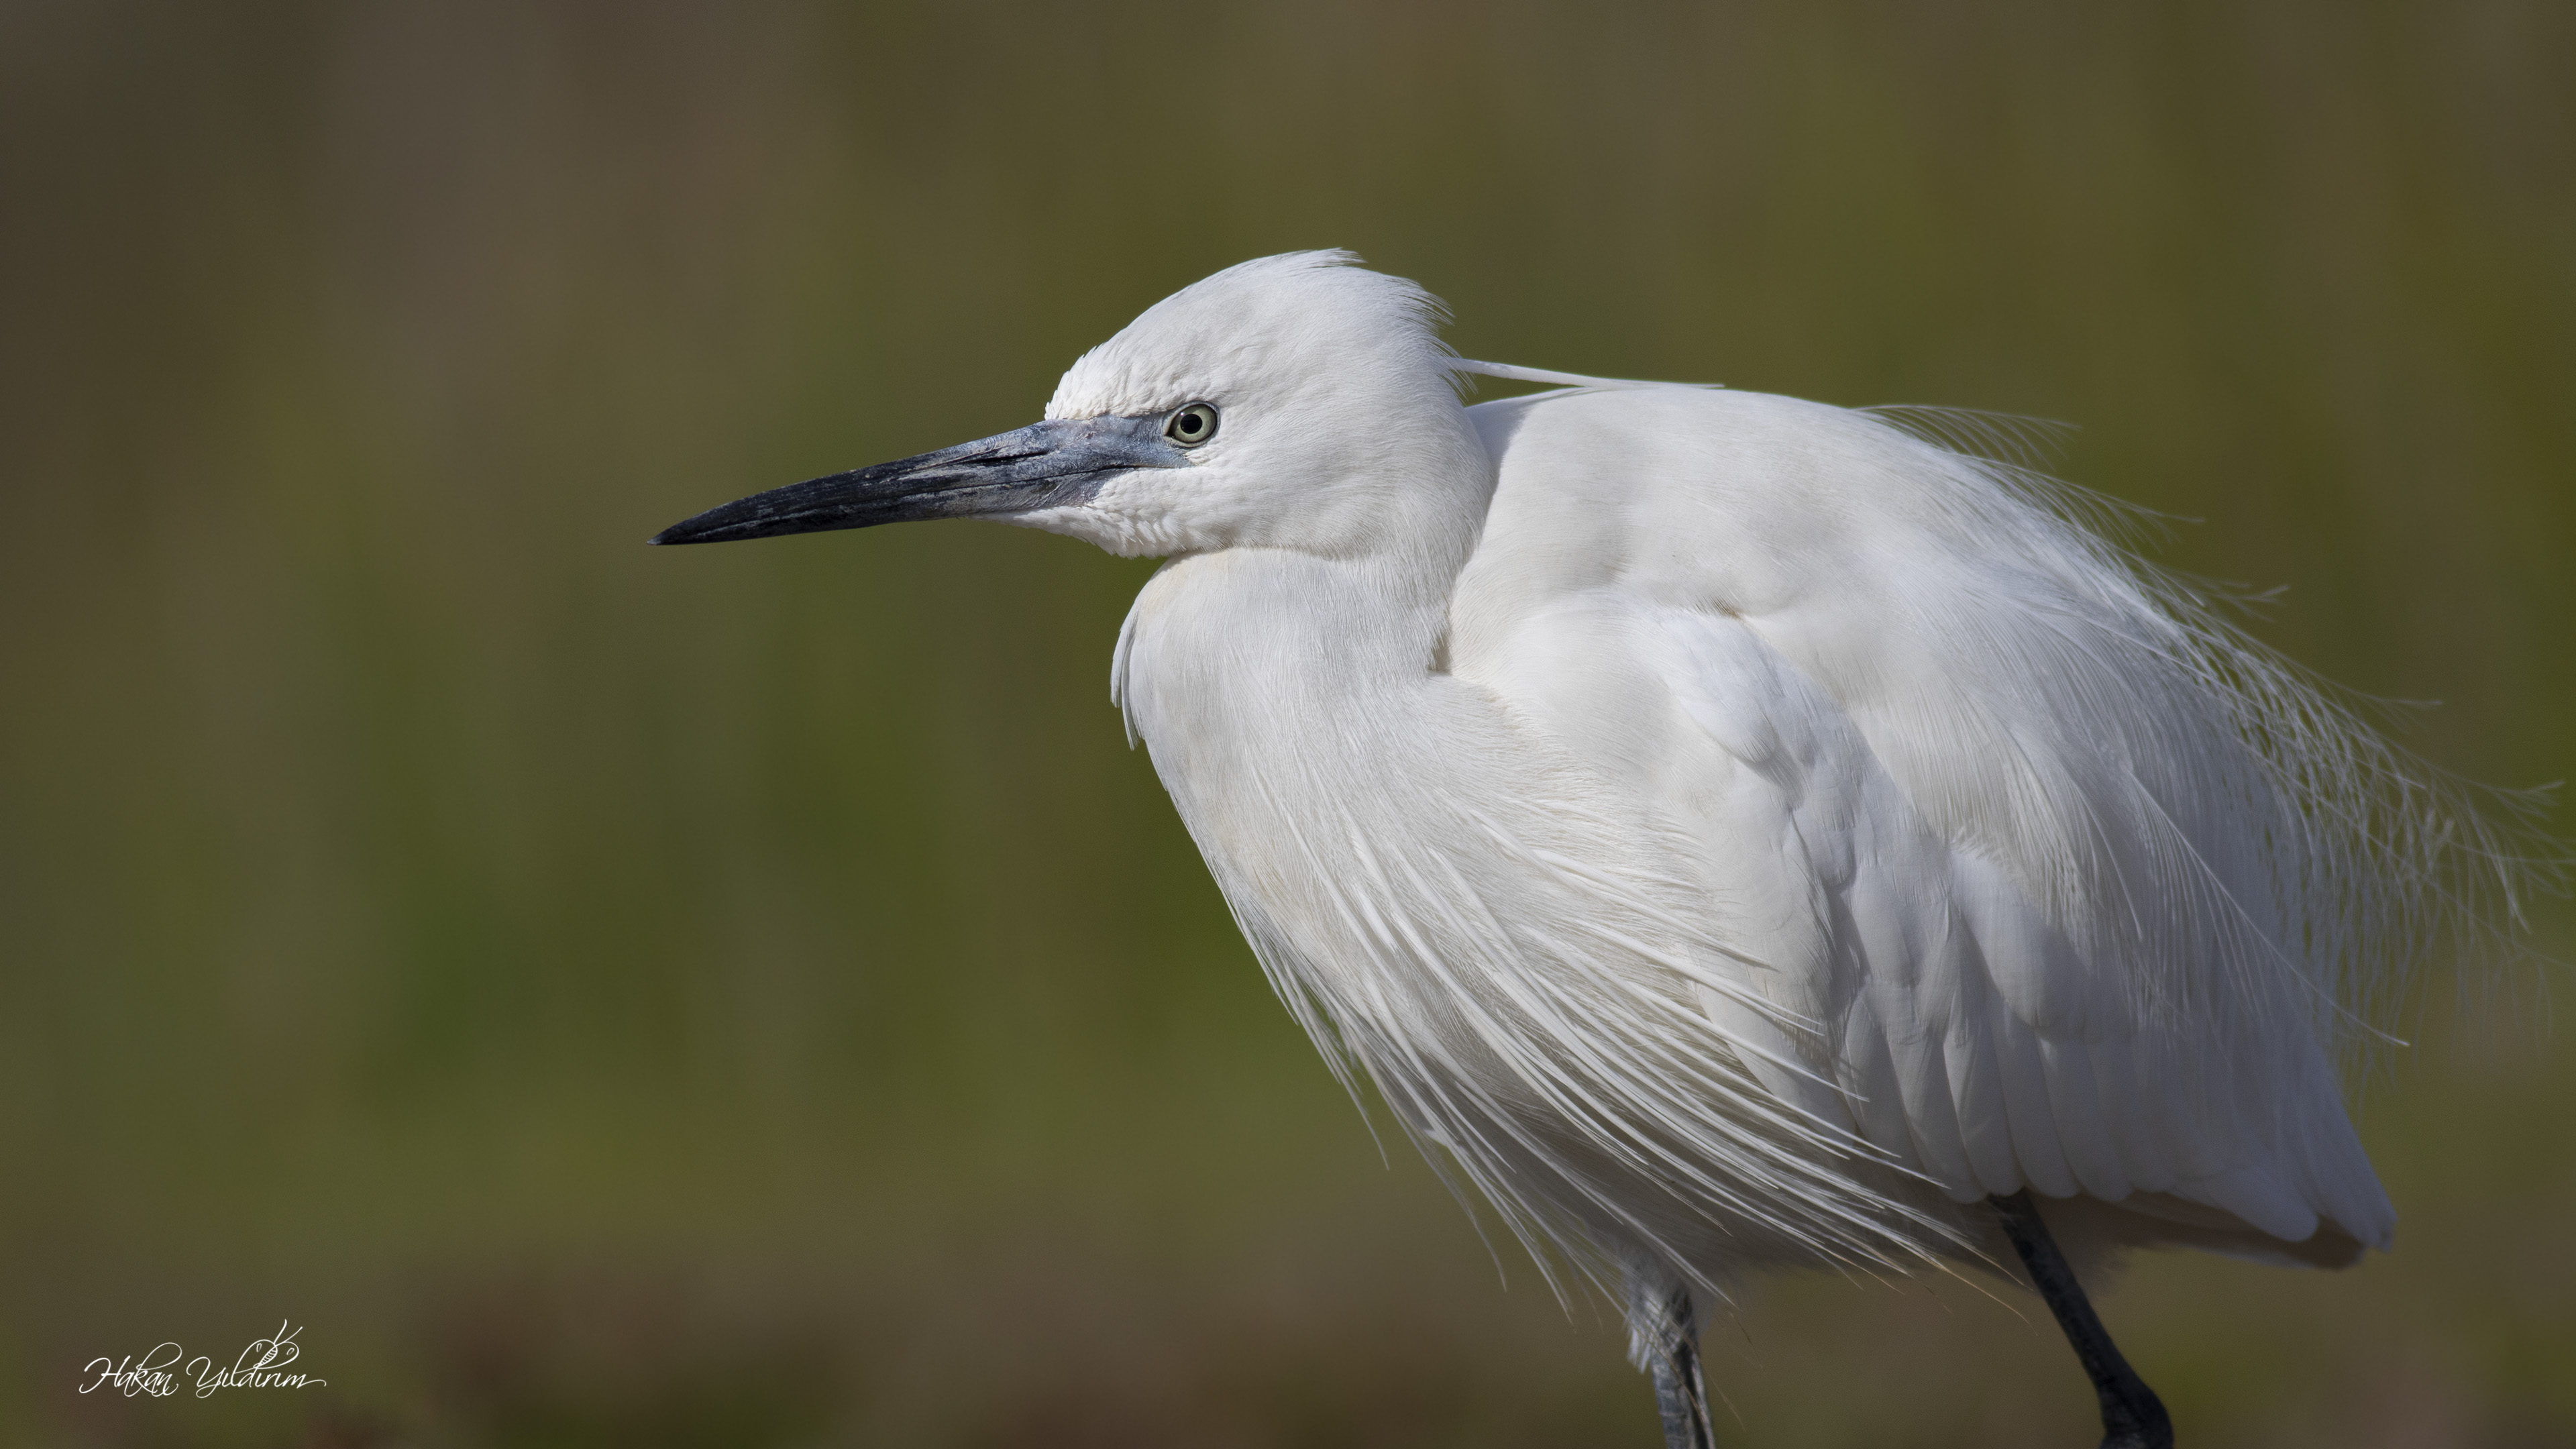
(752, 995)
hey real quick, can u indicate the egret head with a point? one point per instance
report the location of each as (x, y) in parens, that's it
(1295, 402)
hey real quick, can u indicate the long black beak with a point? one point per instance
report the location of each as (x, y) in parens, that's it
(1044, 465)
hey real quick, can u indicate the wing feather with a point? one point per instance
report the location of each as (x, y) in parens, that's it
(2077, 888)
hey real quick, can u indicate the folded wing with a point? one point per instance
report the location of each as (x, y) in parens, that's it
(2074, 887)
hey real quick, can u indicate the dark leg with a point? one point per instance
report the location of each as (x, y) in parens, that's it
(2132, 1418)
(1680, 1392)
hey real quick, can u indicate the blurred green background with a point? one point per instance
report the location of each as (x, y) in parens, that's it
(754, 997)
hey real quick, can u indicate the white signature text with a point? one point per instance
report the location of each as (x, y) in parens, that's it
(160, 1373)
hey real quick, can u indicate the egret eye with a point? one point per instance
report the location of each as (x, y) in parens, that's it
(1192, 425)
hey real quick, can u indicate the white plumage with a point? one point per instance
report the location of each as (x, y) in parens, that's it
(1778, 828)
(1736, 831)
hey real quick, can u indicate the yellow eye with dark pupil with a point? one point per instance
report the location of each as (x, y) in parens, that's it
(1191, 425)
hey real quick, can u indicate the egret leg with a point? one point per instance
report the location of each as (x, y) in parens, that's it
(1681, 1394)
(2132, 1416)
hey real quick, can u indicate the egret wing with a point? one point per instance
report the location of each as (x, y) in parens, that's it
(1968, 801)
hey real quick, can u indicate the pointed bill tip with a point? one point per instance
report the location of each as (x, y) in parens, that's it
(762, 515)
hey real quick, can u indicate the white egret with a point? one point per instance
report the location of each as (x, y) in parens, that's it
(1731, 832)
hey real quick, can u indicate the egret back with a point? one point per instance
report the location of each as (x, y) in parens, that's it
(2068, 884)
